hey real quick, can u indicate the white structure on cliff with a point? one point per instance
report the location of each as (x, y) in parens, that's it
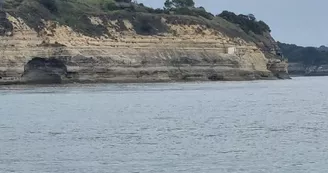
(231, 50)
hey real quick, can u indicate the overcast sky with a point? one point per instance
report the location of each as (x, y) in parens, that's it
(302, 22)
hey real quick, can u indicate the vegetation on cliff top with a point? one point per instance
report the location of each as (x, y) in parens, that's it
(246, 22)
(305, 55)
(145, 20)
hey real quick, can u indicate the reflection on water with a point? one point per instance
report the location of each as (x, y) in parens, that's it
(246, 127)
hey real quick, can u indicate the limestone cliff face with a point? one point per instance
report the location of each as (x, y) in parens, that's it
(194, 51)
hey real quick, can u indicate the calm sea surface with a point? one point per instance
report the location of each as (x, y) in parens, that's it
(219, 127)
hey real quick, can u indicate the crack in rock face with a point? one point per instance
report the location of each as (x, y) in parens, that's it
(44, 71)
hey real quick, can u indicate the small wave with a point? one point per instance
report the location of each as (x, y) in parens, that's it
(147, 143)
(314, 129)
(55, 133)
(232, 151)
(278, 129)
(212, 135)
(5, 127)
(164, 118)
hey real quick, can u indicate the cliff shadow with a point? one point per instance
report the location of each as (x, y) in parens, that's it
(44, 71)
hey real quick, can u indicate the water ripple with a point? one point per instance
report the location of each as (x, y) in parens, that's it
(244, 127)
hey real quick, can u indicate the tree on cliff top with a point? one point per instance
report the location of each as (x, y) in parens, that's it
(186, 7)
(170, 4)
(246, 22)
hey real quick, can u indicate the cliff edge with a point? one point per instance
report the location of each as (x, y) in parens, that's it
(81, 41)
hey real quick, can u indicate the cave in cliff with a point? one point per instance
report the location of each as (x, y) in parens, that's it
(44, 71)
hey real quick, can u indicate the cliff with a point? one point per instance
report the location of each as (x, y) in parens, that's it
(38, 45)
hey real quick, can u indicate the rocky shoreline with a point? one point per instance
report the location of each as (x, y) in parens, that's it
(300, 69)
(81, 69)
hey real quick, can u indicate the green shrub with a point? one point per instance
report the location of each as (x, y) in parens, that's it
(157, 11)
(247, 23)
(171, 4)
(50, 5)
(125, 1)
(203, 13)
(193, 12)
(111, 6)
